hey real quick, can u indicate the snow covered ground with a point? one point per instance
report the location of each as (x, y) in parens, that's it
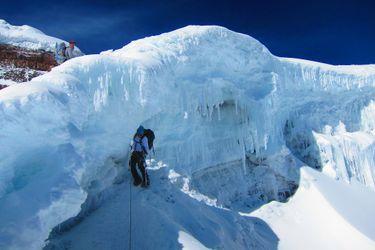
(6, 82)
(163, 216)
(234, 125)
(323, 214)
(27, 37)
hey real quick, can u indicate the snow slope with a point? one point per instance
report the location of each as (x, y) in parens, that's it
(235, 122)
(323, 214)
(26, 37)
(163, 217)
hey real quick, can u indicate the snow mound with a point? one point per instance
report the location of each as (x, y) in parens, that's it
(235, 121)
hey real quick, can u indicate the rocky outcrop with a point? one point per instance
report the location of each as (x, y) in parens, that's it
(21, 64)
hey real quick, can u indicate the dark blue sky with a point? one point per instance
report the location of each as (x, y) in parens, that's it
(331, 31)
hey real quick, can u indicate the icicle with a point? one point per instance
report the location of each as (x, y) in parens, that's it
(218, 112)
(210, 111)
(236, 105)
(244, 156)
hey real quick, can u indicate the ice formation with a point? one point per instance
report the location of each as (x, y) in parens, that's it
(233, 121)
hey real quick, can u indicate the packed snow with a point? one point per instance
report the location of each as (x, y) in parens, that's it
(234, 125)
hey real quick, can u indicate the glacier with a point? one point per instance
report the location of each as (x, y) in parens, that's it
(235, 127)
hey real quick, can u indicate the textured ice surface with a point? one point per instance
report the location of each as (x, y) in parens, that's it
(233, 120)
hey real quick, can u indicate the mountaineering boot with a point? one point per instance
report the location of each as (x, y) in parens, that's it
(145, 181)
(136, 183)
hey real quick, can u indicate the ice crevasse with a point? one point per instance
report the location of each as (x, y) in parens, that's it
(215, 98)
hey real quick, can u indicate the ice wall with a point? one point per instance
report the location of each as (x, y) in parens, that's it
(213, 97)
(332, 128)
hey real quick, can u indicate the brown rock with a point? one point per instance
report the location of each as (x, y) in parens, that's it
(22, 64)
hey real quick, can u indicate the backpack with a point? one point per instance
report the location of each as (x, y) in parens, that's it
(150, 138)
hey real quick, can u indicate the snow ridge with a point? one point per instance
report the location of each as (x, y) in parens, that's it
(26, 37)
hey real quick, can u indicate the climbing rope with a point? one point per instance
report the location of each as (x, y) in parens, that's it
(130, 214)
(130, 202)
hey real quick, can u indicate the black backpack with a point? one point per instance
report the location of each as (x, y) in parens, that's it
(150, 138)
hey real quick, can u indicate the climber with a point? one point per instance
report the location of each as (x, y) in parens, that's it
(71, 52)
(140, 149)
(60, 52)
